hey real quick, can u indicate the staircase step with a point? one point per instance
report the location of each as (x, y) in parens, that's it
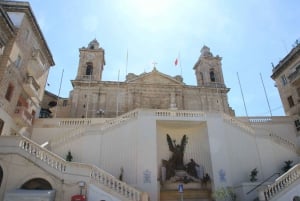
(188, 195)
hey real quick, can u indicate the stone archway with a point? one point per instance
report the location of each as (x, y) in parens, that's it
(37, 184)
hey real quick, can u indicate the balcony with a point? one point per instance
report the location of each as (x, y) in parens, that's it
(31, 87)
(294, 77)
(22, 116)
(35, 65)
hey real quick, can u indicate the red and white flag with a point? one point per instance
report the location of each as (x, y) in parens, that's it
(176, 62)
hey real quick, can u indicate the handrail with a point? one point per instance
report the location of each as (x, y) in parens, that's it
(95, 174)
(282, 182)
(258, 185)
(236, 122)
(81, 128)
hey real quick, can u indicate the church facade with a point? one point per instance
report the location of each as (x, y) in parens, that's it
(150, 137)
(92, 97)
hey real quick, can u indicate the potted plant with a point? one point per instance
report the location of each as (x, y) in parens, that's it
(224, 194)
(287, 165)
(69, 156)
(253, 175)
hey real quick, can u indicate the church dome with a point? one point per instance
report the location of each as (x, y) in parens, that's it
(93, 44)
(205, 51)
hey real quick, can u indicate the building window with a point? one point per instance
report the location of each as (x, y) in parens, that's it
(212, 76)
(18, 61)
(65, 103)
(89, 69)
(297, 124)
(290, 101)
(283, 80)
(1, 49)
(9, 92)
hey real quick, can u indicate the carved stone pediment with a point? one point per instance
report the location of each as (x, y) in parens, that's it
(154, 77)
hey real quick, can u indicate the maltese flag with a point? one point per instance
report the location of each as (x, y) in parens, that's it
(176, 62)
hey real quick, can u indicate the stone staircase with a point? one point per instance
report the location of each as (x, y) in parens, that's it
(188, 195)
(58, 167)
(281, 184)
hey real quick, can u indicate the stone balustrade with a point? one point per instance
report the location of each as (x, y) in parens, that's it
(68, 136)
(119, 120)
(75, 122)
(96, 175)
(101, 177)
(282, 182)
(81, 126)
(178, 113)
(235, 122)
(42, 154)
(283, 141)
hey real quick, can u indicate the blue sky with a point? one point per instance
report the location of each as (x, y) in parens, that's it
(248, 35)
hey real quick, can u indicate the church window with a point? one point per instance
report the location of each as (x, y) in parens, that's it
(212, 76)
(201, 78)
(89, 69)
(290, 101)
(9, 92)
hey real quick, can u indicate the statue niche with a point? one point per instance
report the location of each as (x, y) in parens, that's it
(175, 162)
(174, 169)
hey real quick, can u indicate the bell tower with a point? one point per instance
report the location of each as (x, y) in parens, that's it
(208, 69)
(91, 62)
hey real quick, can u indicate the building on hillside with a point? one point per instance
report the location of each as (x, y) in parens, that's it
(287, 77)
(25, 60)
(145, 138)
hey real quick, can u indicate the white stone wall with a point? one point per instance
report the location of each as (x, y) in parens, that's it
(235, 152)
(228, 148)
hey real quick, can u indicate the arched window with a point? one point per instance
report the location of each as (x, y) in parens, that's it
(89, 69)
(296, 198)
(212, 76)
(37, 184)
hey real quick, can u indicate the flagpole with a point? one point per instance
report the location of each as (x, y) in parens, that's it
(126, 64)
(266, 94)
(180, 64)
(117, 111)
(242, 94)
(62, 74)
